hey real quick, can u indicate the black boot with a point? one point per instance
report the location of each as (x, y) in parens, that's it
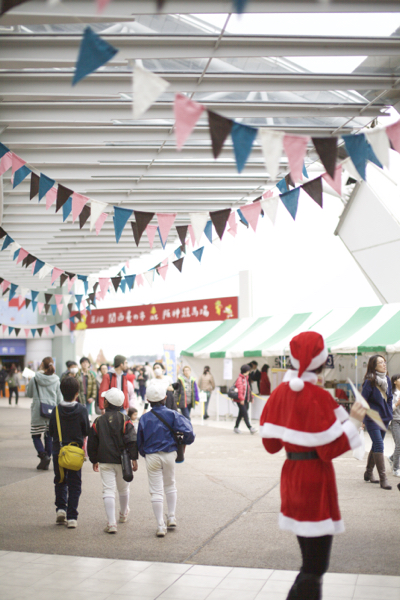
(306, 587)
(44, 461)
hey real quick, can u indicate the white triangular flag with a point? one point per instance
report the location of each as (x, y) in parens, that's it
(272, 147)
(45, 270)
(217, 243)
(270, 207)
(199, 221)
(91, 282)
(13, 247)
(380, 144)
(150, 277)
(147, 87)
(23, 291)
(96, 208)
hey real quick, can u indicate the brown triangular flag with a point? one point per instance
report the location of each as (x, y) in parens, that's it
(70, 275)
(34, 185)
(46, 308)
(142, 220)
(220, 127)
(85, 214)
(27, 302)
(48, 298)
(6, 290)
(63, 193)
(327, 151)
(135, 233)
(70, 307)
(6, 5)
(17, 330)
(178, 263)
(96, 285)
(2, 233)
(40, 331)
(63, 279)
(289, 181)
(314, 189)
(182, 232)
(59, 325)
(220, 219)
(116, 281)
(29, 260)
(182, 248)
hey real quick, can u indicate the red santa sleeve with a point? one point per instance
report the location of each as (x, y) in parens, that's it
(272, 446)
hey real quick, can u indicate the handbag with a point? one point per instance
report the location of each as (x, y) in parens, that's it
(178, 437)
(45, 408)
(233, 393)
(71, 456)
(126, 461)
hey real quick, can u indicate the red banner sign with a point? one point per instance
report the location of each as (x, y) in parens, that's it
(193, 311)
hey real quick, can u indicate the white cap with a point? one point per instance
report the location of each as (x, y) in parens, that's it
(114, 396)
(156, 390)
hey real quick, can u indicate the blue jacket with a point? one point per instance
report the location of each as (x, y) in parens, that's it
(153, 436)
(376, 401)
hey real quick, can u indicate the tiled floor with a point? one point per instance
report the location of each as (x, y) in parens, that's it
(25, 576)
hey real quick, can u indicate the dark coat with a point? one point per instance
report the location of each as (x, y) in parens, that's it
(377, 402)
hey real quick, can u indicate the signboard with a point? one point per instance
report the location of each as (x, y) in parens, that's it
(12, 347)
(283, 362)
(170, 361)
(193, 311)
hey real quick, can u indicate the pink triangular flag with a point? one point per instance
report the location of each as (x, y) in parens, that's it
(4, 328)
(295, 147)
(17, 163)
(191, 233)
(99, 296)
(101, 4)
(60, 309)
(336, 183)
(4, 285)
(51, 197)
(66, 322)
(163, 271)
(127, 264)
(70, 283)
(139, 280)
(268, 194)
(40, 307)
(21, 301)
(393, 133)
(164, 262)
(5, 163)
(104, 283)
(33, 266)
(232, 224)
(78, 202)
(251, 212)
(187, 113)
(100, 222)
(151, 231)
(21, 255)
(55, 274)
(27, 332)
(58, 298)
(47, 330)
(165, 222)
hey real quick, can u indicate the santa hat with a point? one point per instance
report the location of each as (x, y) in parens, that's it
(307, 353)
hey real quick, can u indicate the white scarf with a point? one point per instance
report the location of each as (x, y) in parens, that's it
(381, 380)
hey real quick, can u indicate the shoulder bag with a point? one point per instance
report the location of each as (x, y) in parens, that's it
(126, 462)
(45, 408)
(71, 456)
(178, 437)
(233, 393)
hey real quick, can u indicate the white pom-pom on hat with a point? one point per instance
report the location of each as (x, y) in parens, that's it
(296, 384)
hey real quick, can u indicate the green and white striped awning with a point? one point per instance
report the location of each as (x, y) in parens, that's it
(346, 331)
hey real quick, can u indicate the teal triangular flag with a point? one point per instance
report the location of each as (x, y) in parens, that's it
(7, 241)
(291, 201)
(208, 231)
(13, 290)
(33, 331)
(93, 53)
(34, 295)
(178, 253)
(305, 170)
(85, 282)
(45, 184)
(239, 6)
(34, 305)
(121, 216)
(163, 244)
(10, 330)
(199, 253)
(67, 208)
(282, 186)
(53, 327)
(78, 300)
(3, 150)
(38, 265)
(242, 217)
(357, 149)
(243, 137)
(130, 280)
(122, 285)
(16, 253)
(372, 156)
(53, 309)
(20, 175)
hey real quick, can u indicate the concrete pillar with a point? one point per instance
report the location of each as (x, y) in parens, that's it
(63, 349)
(245, 294)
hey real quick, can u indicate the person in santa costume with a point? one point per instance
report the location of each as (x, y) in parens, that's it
(304, 419)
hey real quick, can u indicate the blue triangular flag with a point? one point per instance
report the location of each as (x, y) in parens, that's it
(13, 290)
(242, 218)
(199, 253)
(163, 244)
(122, 285)
(7, 241)
(72, 318)
(282, 186)
(208, 231)
(53, 308)
(243, 137)
(10, 330)
(20, 175)
(123, 270)
(239, 6)
(291, 201)
(53, 327)
(357, 149)
(33, 331)
(34, 295)
(16, 254)
(67, 208)
(93, 53)
(121, 216)
(78, 300)
(38, 265)
(34, 305)
(305, 170)
(45, 184)
(85, 282)
(178, 253)
(130, 280)
(3, 150)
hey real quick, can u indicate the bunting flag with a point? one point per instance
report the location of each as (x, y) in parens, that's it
(295, 147)
(53, 309)
(67, 208)
(13, 291)
(38, 265)
(34, 188)
(27, 302)
(219, 219)
(243, 137)
(84, 216)
(5, 163)
(336, 183)
(45, 270)
(20, 175)
(187, 113)
(63, 278)
(291, 201)
(327, 151)
(121, 216)
(289, 182)
(63, 193)
(101, 5)
(239, 6)
(139, 280)
(135, 232)
(40, 307)
(182, 231)
(7, 241)
(130, 280)
(161, 240)
(232, 224)
(115, 281)
(96, 209)
(251, 213)
(100, 222)
(147, 88)
(56, 273)
(17, 163)
(270, 207)
(78, 202)
(45, 185)
(78, 300)
(208, 231)
(242, 218)
(27, 332)
(178, 264)
(199, 253)
(191, 233)
(149, 276)
(162, 270)
(94, 52)
(393, 133)
(314, 189)
(198, 222)
(70, 283)
(219, 127)
(165, 222)
(142, 220)
(358, 149)
(51, 197)
(272, 146)
(379, 141)
(151, 231)
(178, 253)
(34, 295)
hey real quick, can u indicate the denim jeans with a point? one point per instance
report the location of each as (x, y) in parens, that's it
(208, 396)
(13, 390)
(69, 491)
(48, 443)
(396, 438)
(377, 436)
(186, 411)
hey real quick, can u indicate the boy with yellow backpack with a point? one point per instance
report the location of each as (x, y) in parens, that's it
(69, 426)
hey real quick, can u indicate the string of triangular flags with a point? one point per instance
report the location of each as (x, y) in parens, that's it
(40, 330)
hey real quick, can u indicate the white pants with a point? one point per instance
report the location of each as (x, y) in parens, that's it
(161, 472)
(111, 477)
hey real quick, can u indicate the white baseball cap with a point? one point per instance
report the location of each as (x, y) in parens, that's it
(114, 396)
(156, 390)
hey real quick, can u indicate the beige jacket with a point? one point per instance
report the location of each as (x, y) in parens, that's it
(206, 383)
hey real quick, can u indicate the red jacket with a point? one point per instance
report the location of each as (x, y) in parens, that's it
(243, 387)
(106, 384)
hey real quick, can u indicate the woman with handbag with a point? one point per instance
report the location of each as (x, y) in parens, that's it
(244, 398)
(44, 389)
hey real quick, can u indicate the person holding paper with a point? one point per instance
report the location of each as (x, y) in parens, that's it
(303, 418)
(377, 390)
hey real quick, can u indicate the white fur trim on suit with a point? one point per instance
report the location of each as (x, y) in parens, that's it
(311, 528)
(341, 414)
(307, 377)
(352, 434)
(302, 438)
(316, 362)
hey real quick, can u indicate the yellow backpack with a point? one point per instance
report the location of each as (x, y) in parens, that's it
(70, 456)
